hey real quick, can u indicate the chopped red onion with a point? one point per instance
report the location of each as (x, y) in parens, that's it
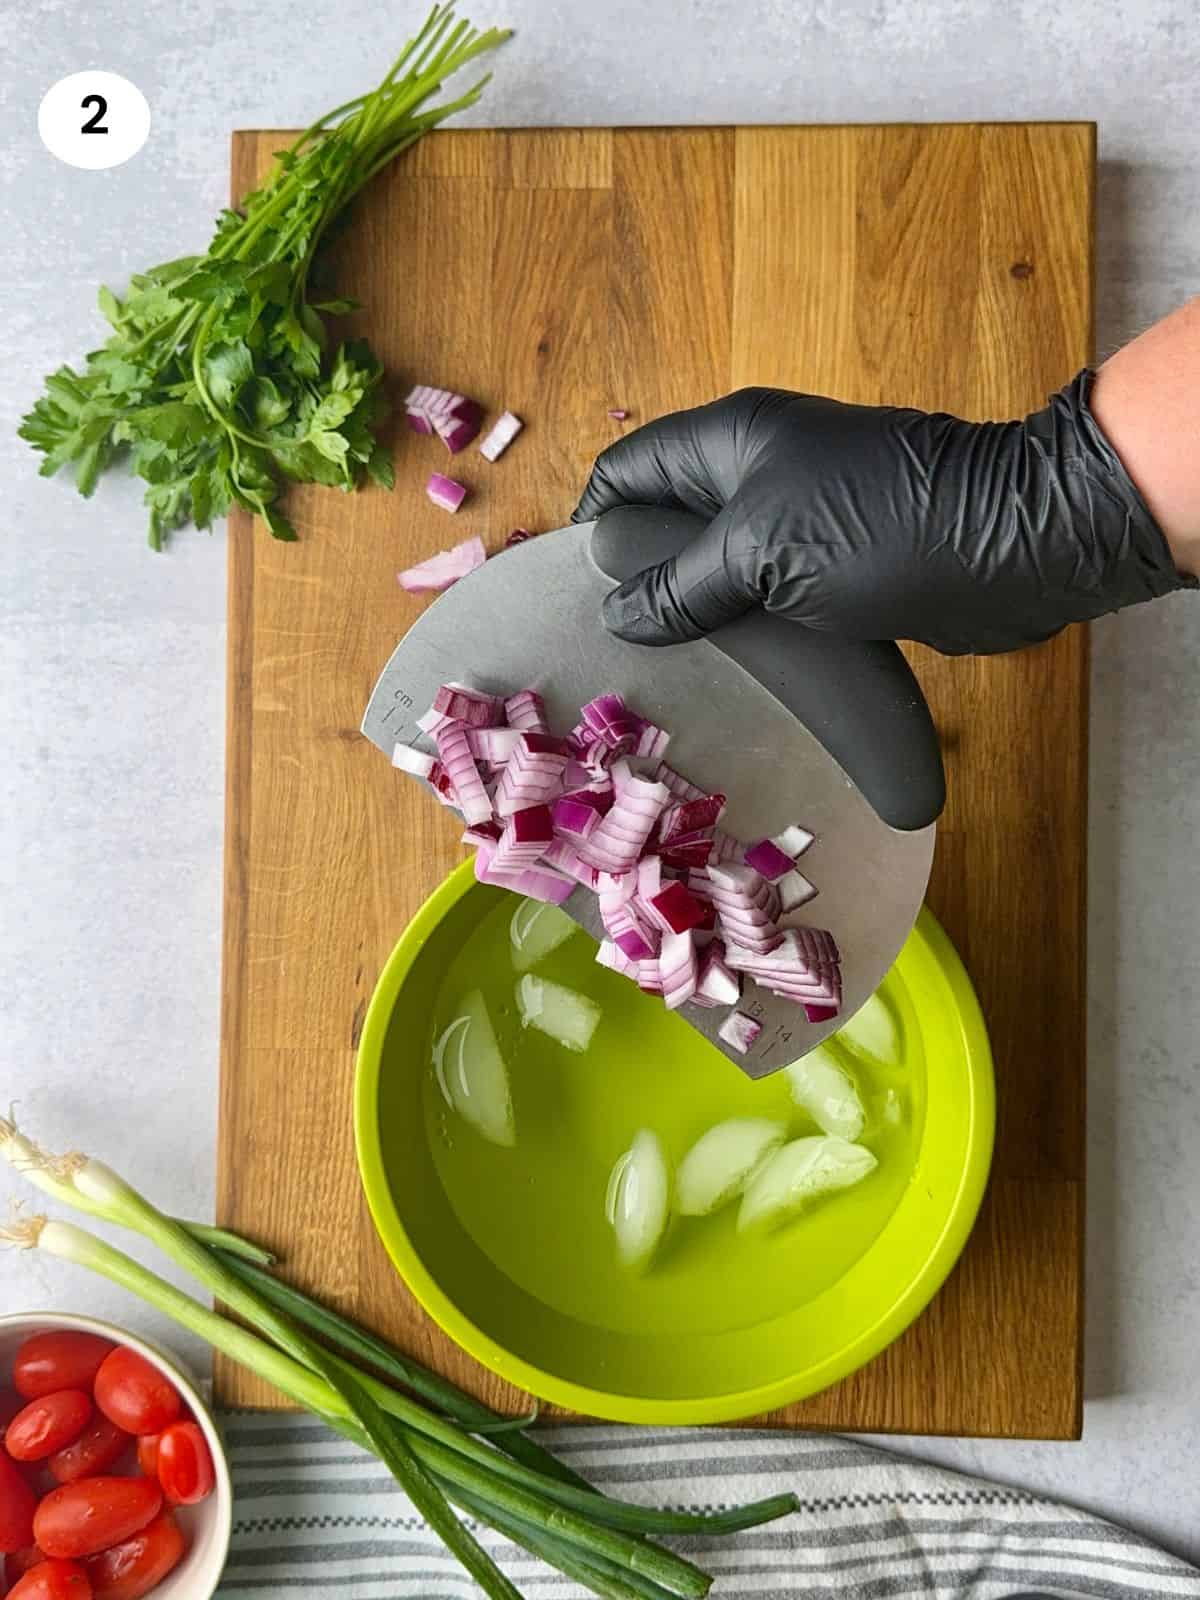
(678, 786)
(493, 744)
(444, 568)
(414, 762)
(649, 877)
(795, 890)
(445, 492)
(534, 742)
(675, 910)
(651, 743)
(533, 774)
(683, 912)
(457, 432)
(483, 835)
(624, 929)
(453, 417)
(649, 978)
(578, 814)
(469, 793)
(793, 841)
(535, 882)
(611, 720)
(725, 847)
(439, 782)
(456, 703)
(767, 858)
(738, 880)
(527, 711)
(526, 835)
(619, 840)
(618, 414)
(739, 1031)
(612, 956)
(517, 536)
(693, 850)
(620, 885)
(677, 969)
(822, 942)
(716, 983)
(503, 431)
(563, 856)
(688, 816)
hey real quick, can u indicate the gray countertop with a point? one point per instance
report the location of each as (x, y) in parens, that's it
(112, 685)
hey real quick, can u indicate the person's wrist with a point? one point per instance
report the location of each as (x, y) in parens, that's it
(1146, 411)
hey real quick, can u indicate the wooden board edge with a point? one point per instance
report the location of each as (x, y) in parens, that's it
(239, 667)
(245, 146)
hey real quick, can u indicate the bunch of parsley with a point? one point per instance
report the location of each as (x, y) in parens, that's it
(217, 383)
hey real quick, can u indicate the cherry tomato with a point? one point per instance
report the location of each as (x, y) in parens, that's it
(81, 1518)
(18, 1562)
(97, 1447)
(61, 1358)
(46, 1425)
(132, 1568)
(53, 1580)
(147, 1454)
(185, 1466)
(134, 1394)
(17, 1502)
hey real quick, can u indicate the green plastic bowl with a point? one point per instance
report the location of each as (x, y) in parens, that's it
(729, 1363)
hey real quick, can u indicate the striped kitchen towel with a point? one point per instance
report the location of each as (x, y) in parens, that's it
(314, 1514)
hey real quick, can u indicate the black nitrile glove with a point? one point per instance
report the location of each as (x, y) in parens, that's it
(877, 522)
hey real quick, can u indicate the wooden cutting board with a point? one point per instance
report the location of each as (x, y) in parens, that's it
(561, 273)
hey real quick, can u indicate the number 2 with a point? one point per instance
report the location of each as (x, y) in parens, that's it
(92, 125)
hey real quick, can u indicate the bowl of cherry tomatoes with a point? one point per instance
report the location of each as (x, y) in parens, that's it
(113, 1478)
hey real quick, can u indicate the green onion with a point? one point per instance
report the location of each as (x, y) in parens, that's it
(596, 1572)
(438, 1458)
(365, 1347)
(306, 1388)
(231, 1245)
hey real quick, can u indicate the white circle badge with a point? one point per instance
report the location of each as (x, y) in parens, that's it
(94, 119)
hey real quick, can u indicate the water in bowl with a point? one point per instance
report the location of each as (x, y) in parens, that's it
(536, 1207)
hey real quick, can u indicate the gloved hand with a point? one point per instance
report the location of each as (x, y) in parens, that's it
(878, 522)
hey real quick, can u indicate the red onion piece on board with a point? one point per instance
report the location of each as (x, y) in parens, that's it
(501, 434)
(445, 492)
(444, 568)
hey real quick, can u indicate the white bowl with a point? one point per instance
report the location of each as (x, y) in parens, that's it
(207, 1525)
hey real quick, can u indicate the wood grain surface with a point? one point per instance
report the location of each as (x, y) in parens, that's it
(559, 273)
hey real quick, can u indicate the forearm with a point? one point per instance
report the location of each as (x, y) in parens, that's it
(1145, 400)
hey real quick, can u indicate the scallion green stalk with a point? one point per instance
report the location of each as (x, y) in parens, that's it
(512, 1483)
(366, 1348)
(120, 1203)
